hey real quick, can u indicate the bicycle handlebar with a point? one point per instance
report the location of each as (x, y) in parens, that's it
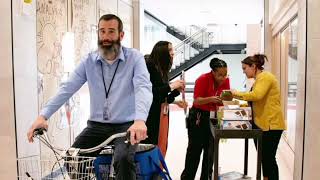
(106, 142)
(42, 132)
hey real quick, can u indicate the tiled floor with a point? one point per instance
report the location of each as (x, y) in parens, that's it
(230, 154)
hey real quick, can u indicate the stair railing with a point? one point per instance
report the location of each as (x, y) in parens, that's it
(191, 46)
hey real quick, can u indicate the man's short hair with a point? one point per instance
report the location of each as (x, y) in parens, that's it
(108, 17)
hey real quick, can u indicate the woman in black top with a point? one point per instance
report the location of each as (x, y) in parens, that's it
(159, 64)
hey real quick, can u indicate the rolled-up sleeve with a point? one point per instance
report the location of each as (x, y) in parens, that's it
(142, 89)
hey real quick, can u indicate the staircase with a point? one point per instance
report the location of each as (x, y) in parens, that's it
(170, 29)
(195, 48)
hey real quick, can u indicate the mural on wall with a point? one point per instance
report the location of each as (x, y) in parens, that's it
(84, 20)
(50, 67)
(52, 27)
(83, 25)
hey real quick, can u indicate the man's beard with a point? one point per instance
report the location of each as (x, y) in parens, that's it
(110, 50)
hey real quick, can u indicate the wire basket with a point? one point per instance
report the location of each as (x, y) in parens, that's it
(34, 168)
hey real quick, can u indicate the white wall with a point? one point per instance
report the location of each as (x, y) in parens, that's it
(7, 125)
(228, 33)
(311, 163)
(188, 12)
(254, 39)
(25, 74)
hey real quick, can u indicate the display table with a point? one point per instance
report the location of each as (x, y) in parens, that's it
(237, 134)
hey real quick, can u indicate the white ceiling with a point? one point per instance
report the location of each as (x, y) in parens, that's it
(202, 12)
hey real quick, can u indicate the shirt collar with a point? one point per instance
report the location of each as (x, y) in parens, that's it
(257, 76)
(211, 75)
(119, 57)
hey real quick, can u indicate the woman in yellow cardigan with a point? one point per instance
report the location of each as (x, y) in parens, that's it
(267, 113)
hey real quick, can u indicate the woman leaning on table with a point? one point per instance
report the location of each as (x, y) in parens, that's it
(207, 90)
(267, 113)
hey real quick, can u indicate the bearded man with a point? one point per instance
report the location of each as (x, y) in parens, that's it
(120, 96)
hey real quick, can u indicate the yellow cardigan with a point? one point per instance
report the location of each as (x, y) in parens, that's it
(265, 96)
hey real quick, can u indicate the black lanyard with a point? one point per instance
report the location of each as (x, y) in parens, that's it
(104, 84)
(250, 103)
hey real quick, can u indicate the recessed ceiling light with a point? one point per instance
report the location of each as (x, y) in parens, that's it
(205, 11)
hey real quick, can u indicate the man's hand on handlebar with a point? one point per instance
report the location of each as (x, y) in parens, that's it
(138, 131)
(40, 122)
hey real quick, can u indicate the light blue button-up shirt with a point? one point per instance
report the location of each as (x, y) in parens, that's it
(130, 95)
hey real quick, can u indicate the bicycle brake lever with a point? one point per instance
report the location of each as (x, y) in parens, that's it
(127, 137)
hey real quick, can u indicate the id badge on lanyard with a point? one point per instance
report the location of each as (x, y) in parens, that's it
(212, 114)
(165, 108)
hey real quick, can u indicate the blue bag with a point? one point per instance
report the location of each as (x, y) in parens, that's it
(148, 165)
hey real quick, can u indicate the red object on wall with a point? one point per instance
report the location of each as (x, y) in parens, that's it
(68, 112)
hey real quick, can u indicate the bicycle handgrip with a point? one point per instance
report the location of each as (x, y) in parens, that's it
(39, 131)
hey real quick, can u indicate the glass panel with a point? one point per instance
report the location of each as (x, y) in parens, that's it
(155, 31)
(292, 82)
(126, 12)
(289, 75)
